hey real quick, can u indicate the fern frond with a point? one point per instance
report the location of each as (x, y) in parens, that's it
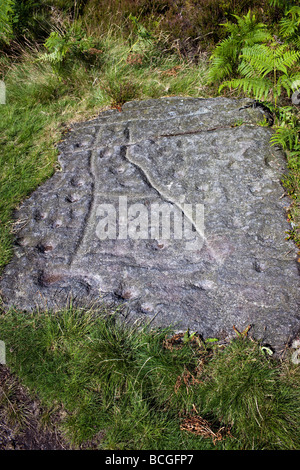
(290, 82)
(287, 60)
(51, 57)
(262, 59)
(220, 68)
(296, 41)
(227, 48)
(286, 4)
(259, 87)
(246, 32)
(223, 59)
(287, 138)
(254, 61)
(290, 26)
(290, 23)
(257, 36)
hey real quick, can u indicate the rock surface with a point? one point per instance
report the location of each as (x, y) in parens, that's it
(231, 267)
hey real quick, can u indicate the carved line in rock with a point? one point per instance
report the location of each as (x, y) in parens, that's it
(90, 210)
(146, 176)
(169, 199)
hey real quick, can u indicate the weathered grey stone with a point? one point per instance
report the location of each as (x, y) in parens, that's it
(174, 151)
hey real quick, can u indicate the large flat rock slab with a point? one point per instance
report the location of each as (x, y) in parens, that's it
(173, 207)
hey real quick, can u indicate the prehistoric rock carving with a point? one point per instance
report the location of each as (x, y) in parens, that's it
(178, 155)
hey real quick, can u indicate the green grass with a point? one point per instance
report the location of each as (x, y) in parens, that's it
(120, 381)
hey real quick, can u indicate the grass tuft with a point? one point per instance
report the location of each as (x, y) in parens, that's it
(122, 384)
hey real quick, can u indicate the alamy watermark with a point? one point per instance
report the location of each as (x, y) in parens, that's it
(165, 221)
(296, 95)
(296, 354)
(2, 353)
(2, 92)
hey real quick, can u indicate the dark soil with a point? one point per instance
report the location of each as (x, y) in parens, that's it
(22, 416)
